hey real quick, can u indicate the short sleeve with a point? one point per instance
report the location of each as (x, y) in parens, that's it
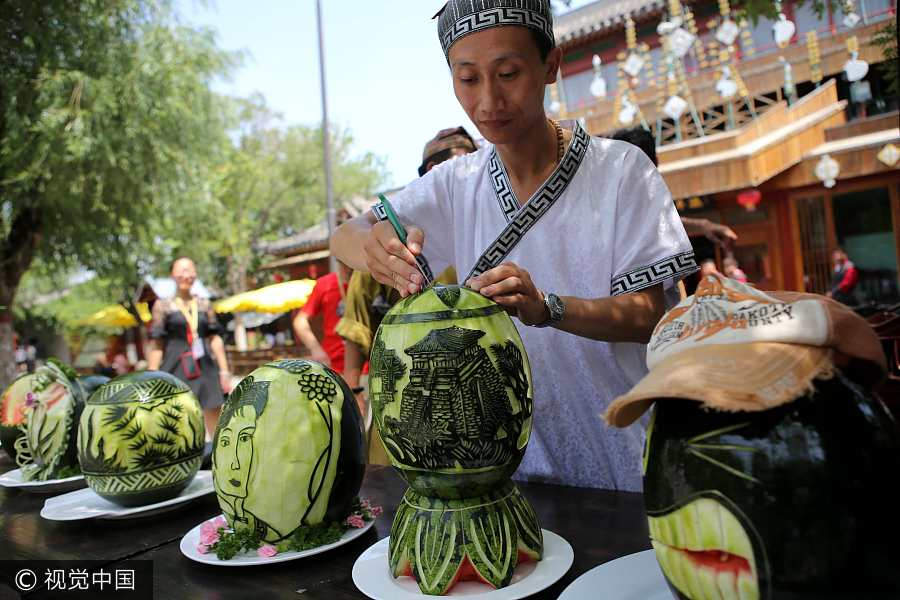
(158, 320)
(213, 327)
(426, 204)
(314, 302)
(651, 246)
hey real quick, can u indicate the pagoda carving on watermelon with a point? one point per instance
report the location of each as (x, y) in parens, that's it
(452, 398)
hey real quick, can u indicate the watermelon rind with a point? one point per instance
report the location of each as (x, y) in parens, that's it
(141, 438)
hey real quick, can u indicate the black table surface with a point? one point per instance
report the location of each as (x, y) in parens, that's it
(601, 525)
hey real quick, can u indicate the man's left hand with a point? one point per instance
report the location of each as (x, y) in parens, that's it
(511, 287)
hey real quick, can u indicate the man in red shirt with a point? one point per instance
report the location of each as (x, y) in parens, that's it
(327, 299)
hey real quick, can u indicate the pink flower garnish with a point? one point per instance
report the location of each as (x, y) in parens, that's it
(30, 400)
(209, 537)
(267, 551)
(364, 504)
(202, 549)
(220, 522)
(356, 521)
(376, 511)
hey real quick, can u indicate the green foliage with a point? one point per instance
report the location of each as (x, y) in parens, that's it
(886, 39)
(268, 185)
(754, 9)
(233, 542)
(108, 121)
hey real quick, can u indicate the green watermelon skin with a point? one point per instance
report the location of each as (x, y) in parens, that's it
(439, 541)
(800, 495)
(140, 438)
(452, 392)
(12, 413)
(289, 450)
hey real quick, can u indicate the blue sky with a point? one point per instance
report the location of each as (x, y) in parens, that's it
(386, 75)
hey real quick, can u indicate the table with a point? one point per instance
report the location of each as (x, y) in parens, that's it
(599, 524)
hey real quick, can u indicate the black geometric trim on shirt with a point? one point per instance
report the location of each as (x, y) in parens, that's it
(522, 219)
(680, 265)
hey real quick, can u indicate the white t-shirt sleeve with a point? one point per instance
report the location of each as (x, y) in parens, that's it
(426, 203)
(651, 245)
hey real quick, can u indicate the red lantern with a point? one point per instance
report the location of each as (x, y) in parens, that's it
(749, 199)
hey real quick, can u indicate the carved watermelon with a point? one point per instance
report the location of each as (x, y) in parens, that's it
(140, 439)
(443, 542)
(53, 405)
(288, 451)
(796, 502)
(12, 413)
(452, 396)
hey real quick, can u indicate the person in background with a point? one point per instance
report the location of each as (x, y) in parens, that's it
(21, 356)
(368, 301)
(719, 234)
(845, 279)
(733, 270)
(326, 299)
(187, 343)
(120, 364)
(708, 267)
(102, 366)
(31, 354)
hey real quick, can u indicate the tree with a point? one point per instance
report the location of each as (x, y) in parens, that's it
(271, 184)
(107, 120)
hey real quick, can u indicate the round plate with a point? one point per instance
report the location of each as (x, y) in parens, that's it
(86, 504)
(192, 538)
(13, 479)
(632, 577)
(373, 577)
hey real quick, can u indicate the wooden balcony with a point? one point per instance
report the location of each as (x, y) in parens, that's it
(763, 75)
(761, 149)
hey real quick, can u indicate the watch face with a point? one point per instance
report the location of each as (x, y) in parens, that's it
(556, 307)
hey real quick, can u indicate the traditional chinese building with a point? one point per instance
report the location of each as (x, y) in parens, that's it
(781, 129)
(453, 381)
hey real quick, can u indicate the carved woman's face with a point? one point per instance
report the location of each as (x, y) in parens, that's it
(234, 453)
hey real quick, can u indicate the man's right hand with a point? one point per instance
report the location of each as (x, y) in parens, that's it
(392, 263)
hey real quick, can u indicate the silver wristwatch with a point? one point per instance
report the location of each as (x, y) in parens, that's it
(555, 307)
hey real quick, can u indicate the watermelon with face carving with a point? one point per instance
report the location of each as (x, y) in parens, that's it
(792, 503)
(288, 450)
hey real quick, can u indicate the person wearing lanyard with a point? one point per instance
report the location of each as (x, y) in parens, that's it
(576, 237)
(186, 339)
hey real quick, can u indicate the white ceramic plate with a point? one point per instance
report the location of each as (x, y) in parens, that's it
(632, 577)
(373, 577)
(13, 479)
(192, 538)
(85, 504)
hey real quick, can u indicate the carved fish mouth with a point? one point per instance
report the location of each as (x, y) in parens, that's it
(705, 552)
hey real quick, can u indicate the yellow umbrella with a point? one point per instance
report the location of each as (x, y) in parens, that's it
(116, 316)
(277, 298)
